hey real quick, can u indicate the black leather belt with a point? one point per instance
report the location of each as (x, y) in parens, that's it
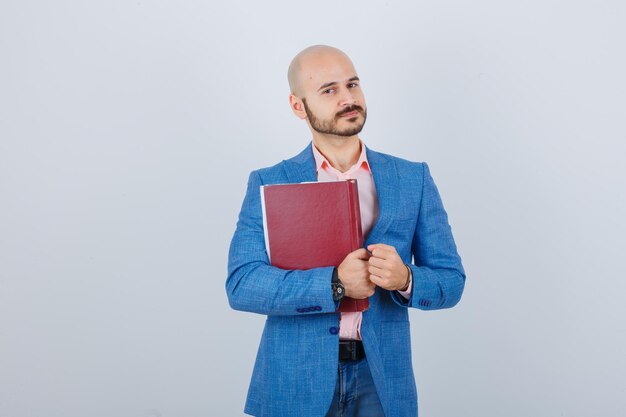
(351, 350)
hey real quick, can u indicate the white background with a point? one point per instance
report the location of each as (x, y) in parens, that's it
(127, 132)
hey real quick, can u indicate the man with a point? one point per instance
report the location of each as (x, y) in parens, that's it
(314, 361)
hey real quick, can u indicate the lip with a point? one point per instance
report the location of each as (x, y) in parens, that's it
(351, 114)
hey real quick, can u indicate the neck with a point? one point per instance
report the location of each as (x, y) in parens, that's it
(341, 152)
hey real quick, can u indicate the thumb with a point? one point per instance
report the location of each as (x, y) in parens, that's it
(361, 253)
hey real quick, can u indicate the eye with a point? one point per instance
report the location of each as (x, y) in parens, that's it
(328, 91)
(353, 85)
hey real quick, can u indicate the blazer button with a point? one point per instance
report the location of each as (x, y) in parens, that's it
(333, 330)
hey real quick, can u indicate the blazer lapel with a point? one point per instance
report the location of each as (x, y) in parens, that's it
(386, 184)
(301, 168)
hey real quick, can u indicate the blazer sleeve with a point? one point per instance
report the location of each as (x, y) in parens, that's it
(438, 275)
(256, 286)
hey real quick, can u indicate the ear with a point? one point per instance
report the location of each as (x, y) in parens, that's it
(297, 106)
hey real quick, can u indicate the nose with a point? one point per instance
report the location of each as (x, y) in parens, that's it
(347, 98)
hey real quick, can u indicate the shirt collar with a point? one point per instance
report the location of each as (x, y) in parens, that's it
(322, 163)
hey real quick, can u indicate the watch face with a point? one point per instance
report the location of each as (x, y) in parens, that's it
(338, 291)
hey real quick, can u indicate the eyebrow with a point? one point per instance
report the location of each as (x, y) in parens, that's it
(355, 78)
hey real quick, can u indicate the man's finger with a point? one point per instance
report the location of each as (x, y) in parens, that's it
(375, 271)
(376, 261)
(381, 246)
(360, 254)
(381, 253)
(376, 279)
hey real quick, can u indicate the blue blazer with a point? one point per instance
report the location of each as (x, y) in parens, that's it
(296, 365)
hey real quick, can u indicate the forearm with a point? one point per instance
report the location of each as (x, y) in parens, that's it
(435, 289)
(264, 289)
(432, 289)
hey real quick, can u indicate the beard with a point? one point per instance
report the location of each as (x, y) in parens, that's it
(329, 127)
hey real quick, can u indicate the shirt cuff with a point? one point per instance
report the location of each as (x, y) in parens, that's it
(407, 294)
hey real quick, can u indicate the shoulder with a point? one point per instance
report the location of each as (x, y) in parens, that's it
(278, 173)
(270, 170)
(269, 175)
(404, 167)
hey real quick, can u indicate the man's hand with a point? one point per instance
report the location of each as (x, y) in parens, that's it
(354, 275)
(386, 268)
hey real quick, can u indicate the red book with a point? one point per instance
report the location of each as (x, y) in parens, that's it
(313, 224)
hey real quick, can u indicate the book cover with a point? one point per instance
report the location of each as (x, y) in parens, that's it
(314, 224)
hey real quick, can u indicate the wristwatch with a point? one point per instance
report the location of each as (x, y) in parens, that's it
(338, 290)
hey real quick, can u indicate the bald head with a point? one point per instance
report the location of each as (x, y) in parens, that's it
(307, 62)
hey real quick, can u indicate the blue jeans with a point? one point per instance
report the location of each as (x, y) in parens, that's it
(355, 393)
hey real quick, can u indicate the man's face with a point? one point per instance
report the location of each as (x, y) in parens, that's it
(333, 100)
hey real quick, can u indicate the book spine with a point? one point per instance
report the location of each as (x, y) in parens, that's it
(350, 304)
(355, 214)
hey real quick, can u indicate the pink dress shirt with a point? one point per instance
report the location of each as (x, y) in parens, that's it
(350, 323)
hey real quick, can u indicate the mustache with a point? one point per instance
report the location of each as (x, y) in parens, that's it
(350, 109)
